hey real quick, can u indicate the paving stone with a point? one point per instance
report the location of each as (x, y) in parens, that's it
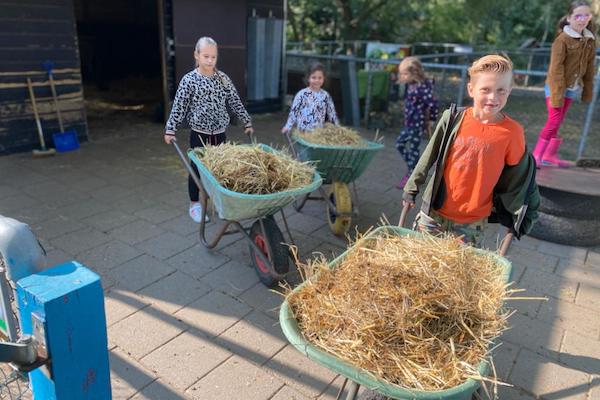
(32, 215)
(133, 202)
(119, 304)
(532, 258)
(232, 277)
(174, 198)
(540, 283)
(57, 256)
(593, 259)
(527, 242)
(111, 193)
(571, 317)
(563, 251)
(144, 331)
(536, 335)
(304, 223)
(8, 191)
(174, 292)
(81, 240)
(165, 245)
(512, 393)
(127, 375)
(108, 220)
(84, 209)
(55, 227)
(581, 352)
(58, 199)
(159, 390)
(256, 338)
(595, 388)
(108, 255)
(233, 379)
(288, 393)
(213, 313)
(140, 272)
(263, 299)
(300, 372)
(90, 183)
(158, 214)
(198, 261)
(185, 359)
(136, 232)
(547, 379)
(576, 271)
(131, 180)
(504, 358)
(589, 296)
(181, 225)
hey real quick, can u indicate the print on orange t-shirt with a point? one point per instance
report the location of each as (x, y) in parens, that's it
(474, 164)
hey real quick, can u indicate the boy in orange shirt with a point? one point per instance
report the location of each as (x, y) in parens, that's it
(484, 161)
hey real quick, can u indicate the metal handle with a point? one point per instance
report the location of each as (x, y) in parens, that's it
(403, 215)
(55, 100)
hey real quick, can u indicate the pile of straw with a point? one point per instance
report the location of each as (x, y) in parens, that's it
(333, 135)
(418, 312)
(252, 170)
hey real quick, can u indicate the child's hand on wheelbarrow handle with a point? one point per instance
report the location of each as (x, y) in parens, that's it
(169, 137)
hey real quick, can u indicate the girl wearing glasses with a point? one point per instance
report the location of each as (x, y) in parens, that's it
(571, 68)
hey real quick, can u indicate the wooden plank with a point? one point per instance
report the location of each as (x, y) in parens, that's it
(9, 27)
(18, 65)
(57, 71)
(38, 12)
(27, 55)
(35, 40)
(36, 3)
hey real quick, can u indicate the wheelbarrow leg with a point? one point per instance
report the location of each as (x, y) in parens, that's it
(287, 228)
(298, 206)
(352, 391)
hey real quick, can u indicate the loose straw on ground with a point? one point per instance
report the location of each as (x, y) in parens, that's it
(253, 170)
(419, 312)
(333, 135)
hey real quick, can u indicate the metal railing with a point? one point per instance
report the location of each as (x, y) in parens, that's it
(333, 63)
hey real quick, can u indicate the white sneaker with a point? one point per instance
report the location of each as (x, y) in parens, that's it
(196, 213)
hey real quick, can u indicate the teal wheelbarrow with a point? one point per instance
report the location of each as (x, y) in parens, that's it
(268, 251)
(357, 376)
(339, 166)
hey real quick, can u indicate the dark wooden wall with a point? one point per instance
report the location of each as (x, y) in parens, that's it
(31, 32)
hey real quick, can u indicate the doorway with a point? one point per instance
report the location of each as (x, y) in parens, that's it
(119, 48)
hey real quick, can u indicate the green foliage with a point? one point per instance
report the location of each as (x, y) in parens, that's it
(496, 23)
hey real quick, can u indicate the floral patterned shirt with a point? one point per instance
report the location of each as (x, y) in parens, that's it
(203, 100)
(418, 101)
(311, 109)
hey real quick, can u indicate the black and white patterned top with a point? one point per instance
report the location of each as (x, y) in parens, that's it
(311, 109)
(202, 99)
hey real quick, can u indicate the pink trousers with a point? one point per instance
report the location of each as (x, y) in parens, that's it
(556, 115)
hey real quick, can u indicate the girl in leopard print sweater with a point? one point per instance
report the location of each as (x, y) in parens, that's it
(202, 96)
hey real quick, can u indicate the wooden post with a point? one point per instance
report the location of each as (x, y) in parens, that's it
(64, 306)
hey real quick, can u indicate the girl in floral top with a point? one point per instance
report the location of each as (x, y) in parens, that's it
(420, 110)
(202, 96)
(312, 106)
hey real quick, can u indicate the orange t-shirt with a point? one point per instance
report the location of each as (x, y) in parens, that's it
(474, 164)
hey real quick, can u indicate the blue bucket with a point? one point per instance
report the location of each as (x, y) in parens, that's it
(65, 141)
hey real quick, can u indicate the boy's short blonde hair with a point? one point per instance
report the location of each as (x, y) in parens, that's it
(491, 63)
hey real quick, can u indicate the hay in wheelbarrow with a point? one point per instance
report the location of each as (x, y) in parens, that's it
(333, 135)
(415, 311)
(253, 170)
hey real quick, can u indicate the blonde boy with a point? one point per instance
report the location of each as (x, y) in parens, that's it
(481, 162)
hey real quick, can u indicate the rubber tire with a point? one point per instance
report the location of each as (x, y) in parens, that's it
(570, 205)
(562, 230)
(339, 194)
(280, 259)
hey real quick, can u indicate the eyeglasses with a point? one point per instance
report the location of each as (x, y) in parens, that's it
(582, 17)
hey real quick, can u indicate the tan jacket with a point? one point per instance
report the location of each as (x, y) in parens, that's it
(571, 64)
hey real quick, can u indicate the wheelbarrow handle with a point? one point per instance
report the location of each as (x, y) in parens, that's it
(291, 144)
(505, 245)
(403, 215)
(191, 171)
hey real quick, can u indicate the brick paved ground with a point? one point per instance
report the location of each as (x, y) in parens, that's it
(188, 323)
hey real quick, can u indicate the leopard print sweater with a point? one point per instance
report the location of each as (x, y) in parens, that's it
(202, 99)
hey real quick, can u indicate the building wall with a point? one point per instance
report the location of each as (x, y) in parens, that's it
(31, 32)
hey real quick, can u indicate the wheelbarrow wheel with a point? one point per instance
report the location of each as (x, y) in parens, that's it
(279, 260)
(339, 219)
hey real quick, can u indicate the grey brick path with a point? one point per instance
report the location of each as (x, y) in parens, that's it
(185, 322)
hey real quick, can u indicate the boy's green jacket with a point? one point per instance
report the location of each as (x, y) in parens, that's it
(516, 186)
